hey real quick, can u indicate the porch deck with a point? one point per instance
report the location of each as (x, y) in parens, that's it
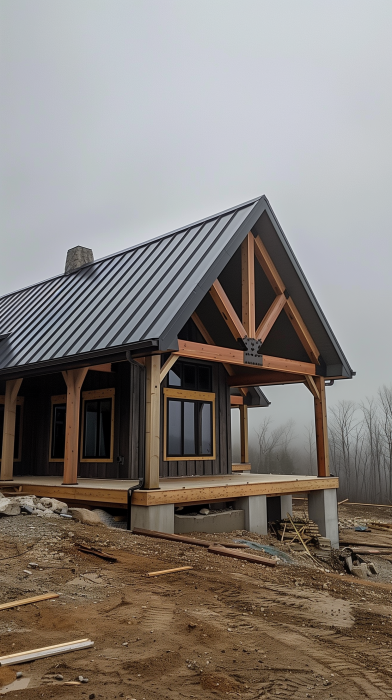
(180, 491)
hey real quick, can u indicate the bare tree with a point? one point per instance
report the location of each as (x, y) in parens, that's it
(273, 445)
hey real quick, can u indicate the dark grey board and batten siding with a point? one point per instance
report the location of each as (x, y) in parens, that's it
(128, 448)
(222, 463)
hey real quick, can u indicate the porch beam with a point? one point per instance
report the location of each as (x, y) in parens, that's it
(214, 353)
(227, 310)
(248, 285)
(167, 367)
(244, 436)
(264, 378)
(320, 414)
(74, 379)
(302, 331)
(236, 401)
(7, 455)
(270, 317)
(268, 266)
(153, 409)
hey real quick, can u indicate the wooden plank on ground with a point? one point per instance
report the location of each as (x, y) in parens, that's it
(25, 601)
(22, 657)
(169, 571)
(168, 536)
(96, 552)
(253, 558)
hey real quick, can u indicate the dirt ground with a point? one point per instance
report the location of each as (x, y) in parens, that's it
(225, 628)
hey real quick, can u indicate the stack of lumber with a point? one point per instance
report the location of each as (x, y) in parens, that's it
(299, 531)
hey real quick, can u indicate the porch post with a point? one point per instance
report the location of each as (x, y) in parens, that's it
(244, 434)
(320, 413)
(74, 379)
(7, 456)
(153, 411)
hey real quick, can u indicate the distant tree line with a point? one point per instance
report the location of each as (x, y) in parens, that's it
(360, 444)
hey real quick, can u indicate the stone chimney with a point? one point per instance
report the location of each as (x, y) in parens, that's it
(76, 257)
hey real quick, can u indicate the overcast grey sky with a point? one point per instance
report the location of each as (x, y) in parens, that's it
(123, 119)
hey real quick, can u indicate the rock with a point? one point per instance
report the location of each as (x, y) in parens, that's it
(30, 501)
(91, 696)
(32, 565)
(86, 516)
(9, 507)
(81, 679)
(204, 511)
(54, 505)
(19, 674)
(1, 495)
(58, 677)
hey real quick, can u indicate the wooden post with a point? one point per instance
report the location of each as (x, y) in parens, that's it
(7, 456)
(248, 285)
(153, 410)
(244, 434)
(320, 413)
(74, 379)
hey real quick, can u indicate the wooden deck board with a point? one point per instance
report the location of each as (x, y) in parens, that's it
(180, 490)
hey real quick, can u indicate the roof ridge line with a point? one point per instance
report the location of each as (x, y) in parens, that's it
(60, 275)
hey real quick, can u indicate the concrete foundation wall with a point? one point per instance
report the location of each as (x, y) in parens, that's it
(160, 518)
(323, 510)
(255, 513)
(213, 522)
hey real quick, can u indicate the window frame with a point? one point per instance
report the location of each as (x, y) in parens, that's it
(54, 401)
(91, 396)
(170, 393)
(19, 402)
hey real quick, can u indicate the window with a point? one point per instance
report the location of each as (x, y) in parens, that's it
(97, 426)
(189, 424)
(57, 428)
(18, 427)
(184, 375)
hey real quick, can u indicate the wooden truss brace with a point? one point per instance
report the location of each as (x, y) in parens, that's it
(253, 247)
(207, 337)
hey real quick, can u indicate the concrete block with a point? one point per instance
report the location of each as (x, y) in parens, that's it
(160, 518)
(323, 509)
(255, 513)
(213, 522)
(286, 505)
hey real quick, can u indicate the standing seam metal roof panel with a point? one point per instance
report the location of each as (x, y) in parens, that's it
(141, 294)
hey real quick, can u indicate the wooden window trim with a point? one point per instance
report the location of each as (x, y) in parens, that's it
(19, 402)
(90, 396)
(55, 400)
(192, 396)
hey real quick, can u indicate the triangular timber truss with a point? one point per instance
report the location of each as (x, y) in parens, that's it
(268, 370)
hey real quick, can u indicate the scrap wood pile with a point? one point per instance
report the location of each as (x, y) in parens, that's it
(300, 533)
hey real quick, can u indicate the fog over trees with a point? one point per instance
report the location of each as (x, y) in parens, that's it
(360, 444)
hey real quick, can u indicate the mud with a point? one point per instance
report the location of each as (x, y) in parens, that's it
(223, 629)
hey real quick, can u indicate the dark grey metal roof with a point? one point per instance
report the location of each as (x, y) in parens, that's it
(138, 297)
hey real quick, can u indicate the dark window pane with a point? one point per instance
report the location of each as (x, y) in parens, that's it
(174, 446)
(175, 375)
(90, 428)
(204, 379)
(189, 375)
(58, 431)
(105, 407)
(205, 418)
(189, 428)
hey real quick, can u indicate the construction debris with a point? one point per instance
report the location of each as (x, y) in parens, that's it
(96, 552)
(169, 571)
(237, 554)
(25, 601)
(25, 656)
